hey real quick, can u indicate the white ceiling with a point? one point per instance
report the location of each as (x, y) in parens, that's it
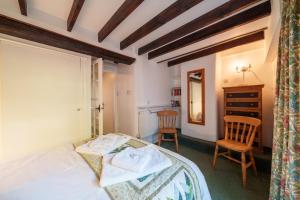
(244, 48)
(95, 13)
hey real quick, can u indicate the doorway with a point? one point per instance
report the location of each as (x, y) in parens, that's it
(112, 99)
(109, 102)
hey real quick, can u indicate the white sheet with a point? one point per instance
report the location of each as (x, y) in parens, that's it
(57, 175)
(60, 175)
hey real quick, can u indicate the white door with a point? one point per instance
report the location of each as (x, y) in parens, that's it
(97, 100)
(109, 97)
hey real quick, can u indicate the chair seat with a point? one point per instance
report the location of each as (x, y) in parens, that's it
(233, 145)
(168, 130)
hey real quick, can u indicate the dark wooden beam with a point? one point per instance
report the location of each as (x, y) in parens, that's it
(124, 11)
(174, 10)
(234, 42)
(240, 19)
(74, 12)
(197, 50)
(23, 7)
(33, 33)
(212, 16)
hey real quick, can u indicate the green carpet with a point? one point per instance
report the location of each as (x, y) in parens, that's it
(225, 182)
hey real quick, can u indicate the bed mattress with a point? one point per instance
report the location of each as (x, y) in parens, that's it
(62, 174)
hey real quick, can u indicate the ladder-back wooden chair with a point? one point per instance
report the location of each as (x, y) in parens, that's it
(167, 125)
(239, 136)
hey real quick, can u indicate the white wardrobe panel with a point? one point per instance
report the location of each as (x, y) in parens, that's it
(41, 99)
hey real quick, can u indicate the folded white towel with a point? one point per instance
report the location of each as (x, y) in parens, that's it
(103, 144)
(132, 159)
(112, 174)
(105, 140)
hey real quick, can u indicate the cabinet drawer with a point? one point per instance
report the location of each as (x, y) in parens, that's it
(242, 104)
(242, 113)
(242, 95)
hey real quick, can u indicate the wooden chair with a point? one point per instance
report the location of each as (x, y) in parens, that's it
(239, 136)
(167, 124)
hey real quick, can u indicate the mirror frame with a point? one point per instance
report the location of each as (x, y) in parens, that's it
(202, 71)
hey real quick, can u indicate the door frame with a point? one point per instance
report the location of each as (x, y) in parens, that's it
(99, 94)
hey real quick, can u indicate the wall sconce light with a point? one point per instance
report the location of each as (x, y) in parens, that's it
(243, 69)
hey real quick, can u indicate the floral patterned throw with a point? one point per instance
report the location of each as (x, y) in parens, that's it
(285, 177)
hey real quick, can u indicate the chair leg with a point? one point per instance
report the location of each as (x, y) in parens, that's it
(244, 172)
(253, 162)
(159, 138)
(215, 156)
(176, 141)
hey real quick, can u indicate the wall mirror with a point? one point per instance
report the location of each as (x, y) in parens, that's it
(196, 96)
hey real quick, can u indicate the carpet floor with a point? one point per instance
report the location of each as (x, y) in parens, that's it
(225, 182)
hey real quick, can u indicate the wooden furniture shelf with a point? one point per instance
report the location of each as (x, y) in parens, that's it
(245, 101)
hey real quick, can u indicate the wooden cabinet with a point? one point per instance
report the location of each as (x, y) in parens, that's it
(245, 101)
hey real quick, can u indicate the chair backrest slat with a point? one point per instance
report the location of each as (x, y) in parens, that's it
(167, 119)
(246, 136)
(249, 134)
(226, 131)
(243, 133)
(252, 136)
(231, 131)
(237, 131)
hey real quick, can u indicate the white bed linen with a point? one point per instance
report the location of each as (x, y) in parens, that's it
(60, 174)
(57, 175)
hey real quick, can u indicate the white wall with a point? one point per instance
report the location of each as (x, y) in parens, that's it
(125, 99)
(264, 74)
(125, 96)
(45, 99)
(152, 86)
(220, 71)
(109, 100)
(209, 130)
(152, 83)
(273, 31)
(145, 83)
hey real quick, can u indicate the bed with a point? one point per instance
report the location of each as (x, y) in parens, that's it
(64, 174)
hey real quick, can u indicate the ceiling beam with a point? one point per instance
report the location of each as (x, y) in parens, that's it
(197, 50)
(23, 7)
(228, 44)
(124, 11)
(74, 12)
(174, 10)
(237, 20)
(212, 16)
(16, 28)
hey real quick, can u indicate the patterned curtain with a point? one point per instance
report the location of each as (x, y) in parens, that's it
(285, 177)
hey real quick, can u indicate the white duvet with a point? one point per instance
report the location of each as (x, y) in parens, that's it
(60, 174)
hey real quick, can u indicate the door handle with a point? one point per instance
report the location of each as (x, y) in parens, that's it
(99, 108)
